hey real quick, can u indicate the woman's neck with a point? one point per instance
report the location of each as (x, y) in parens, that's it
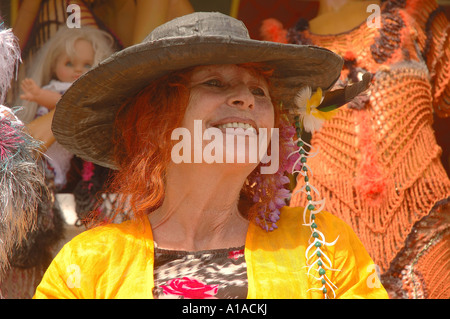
(200, 209)
(339, 16)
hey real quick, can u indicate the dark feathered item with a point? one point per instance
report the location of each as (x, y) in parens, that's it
(339, 97)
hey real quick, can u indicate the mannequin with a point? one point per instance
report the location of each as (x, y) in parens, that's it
(132, 20)
(337, 16)
(382, 172)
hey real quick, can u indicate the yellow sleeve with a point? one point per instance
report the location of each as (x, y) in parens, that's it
(76, 271)
(60, 280)
(357, 277)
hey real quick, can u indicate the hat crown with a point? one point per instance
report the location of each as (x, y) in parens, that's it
(200, 24)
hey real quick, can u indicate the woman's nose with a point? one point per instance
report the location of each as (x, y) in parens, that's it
(241, 97)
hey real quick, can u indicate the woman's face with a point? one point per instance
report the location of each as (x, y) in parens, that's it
(235, 101)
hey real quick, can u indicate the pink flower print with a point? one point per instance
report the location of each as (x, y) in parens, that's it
(235, 254)
(88, 171)
(190, 288)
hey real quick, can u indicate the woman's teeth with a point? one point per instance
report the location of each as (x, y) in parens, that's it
(235, 125)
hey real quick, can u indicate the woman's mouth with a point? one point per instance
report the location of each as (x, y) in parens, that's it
(236, 123)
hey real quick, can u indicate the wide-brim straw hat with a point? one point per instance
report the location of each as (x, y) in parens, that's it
(84, 117)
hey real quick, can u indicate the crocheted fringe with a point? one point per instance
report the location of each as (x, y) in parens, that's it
(383, 229)
(427, 277)
(403, 149)
(357, 153)
(433, 32)
(440, 70)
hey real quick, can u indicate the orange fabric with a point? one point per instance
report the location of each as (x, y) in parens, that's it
(432, 269)
(437, 49)
(116, 261)
(379, 166)
(422, 269)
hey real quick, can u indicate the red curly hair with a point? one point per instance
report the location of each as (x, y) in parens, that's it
(143, 144)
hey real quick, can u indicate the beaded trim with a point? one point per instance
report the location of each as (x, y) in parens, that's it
(315, 254)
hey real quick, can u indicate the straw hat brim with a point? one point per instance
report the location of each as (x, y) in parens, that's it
(84, 117)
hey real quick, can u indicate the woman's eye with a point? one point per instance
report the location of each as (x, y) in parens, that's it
(69, 63)
(258, 92)
(214, 82)
(88, 66)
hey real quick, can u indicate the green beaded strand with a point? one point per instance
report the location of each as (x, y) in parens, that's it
(310, 207)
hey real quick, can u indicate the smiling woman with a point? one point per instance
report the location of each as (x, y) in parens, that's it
(183, 97)
(230, 105)
(203, 229)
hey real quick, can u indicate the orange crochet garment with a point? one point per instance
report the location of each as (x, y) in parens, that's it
(379, 164)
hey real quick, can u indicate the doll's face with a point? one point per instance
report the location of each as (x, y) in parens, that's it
(68, 69)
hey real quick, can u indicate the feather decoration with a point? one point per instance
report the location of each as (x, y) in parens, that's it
(314, 108)
(339, 97)
(22, 184)
(9, 60)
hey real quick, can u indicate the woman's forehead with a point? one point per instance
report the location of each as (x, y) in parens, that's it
(227, 70)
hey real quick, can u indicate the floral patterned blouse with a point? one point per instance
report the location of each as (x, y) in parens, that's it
(205, 274)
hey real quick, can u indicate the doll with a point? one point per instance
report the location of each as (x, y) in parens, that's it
(64, 58)
(128, 20)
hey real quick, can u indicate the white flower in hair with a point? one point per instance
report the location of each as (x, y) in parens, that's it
(307, 104)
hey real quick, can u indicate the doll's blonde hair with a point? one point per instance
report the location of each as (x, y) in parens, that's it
(42, 66)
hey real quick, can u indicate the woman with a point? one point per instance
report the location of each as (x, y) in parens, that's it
(208, 224)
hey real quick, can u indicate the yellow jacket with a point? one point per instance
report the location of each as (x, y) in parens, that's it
(116, 261)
